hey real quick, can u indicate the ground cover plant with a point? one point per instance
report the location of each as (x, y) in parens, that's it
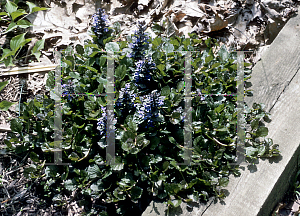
(149, 124)
(16, 18)
(4, 105)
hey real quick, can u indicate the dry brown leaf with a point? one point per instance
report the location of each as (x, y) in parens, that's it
(178, 16)
(218, 24)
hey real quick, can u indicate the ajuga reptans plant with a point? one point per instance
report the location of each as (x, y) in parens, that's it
(149, 132)
(100, 26)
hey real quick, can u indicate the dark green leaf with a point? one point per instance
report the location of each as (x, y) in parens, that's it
(131, 124)
(8, 143)
(16, 125)
(141, 141)
(75, 75)
(176, 115)
(89, 68)
(223, 182)
(73, 156)
(177, 99)
(3, 84)
(154, 142)
(165, 91)
(8, 61)
(119, 194)
(102, 60)
(157, 29)
(39, 45)
(136, 192)
(262, 131)
(180, 86)
(254, 124)
(34, 157)
(17, 41)
(120, 72)
(166, 165)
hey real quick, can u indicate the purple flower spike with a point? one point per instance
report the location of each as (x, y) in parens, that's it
(149, 107)
(100, 27)
(102, 121)
(140, 43)
(126, 99)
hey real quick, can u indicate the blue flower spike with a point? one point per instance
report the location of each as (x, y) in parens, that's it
(126, 99)
(68, 89)
(149, 107)
(139, 43)
(102, 122)
(100, 25)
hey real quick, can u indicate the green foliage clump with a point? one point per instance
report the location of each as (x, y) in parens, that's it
(4, 105)
(16, 19)
(147, 154)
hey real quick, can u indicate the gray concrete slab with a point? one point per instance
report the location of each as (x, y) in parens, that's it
(276, 81)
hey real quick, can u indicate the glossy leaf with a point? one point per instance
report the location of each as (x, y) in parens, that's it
(262, 131)
(17, 41)
(11, 7)
(39, 45)
(112, 47)
(4, 105)
(165, 91)
(16, 14)
(33, 8)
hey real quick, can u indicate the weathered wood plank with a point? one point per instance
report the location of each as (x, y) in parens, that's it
(25, 70)
(277, 66)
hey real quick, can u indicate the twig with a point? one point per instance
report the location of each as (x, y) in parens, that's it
(85, 155)
(185, 147)
(123, 127)
(217, 141)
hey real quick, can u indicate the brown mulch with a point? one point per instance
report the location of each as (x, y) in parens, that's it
(20, 196)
